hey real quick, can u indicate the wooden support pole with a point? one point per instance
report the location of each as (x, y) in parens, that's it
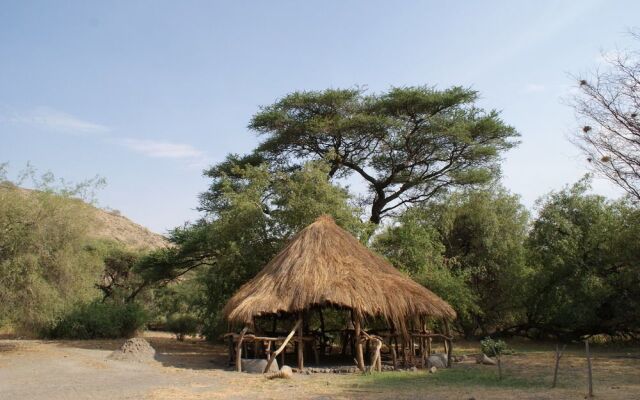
(555, 370)
(359, 355)
(239, 349)
(449, 342)
(428, 347)
(589, 375)
(394, 355)
(273, 355)
(301, 341)
(422, 357)
(323, 338)
(231, 350)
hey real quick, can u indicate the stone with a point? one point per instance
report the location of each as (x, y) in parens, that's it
(413, 369)
(257, 365)
(433, 370)
(285, 373)
(436, 361)
(485, 360)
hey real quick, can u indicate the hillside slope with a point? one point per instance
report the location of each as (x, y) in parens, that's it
(111, 225)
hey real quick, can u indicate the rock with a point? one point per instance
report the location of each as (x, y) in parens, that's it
(436, 361)
(433, 370)
(285, 373)
(257, 365)
(486, 360)
(413, 369)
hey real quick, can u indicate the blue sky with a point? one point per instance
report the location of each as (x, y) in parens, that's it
(148, 93)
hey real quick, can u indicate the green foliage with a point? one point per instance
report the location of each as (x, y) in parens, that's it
(414, 246)
(98, 320)
(467, 247)
(250, 213)
(492, 347)
(408, 144)
(45, 265)
(585, 253)
(183, 325)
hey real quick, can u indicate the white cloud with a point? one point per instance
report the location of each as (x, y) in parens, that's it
(49, 119)
(162, 149)
(534, 88)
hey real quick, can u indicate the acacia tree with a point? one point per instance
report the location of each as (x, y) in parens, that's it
(608, 105)
(409, 144)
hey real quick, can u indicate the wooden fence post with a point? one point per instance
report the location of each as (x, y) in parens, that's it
(555, 370)
(589, 376)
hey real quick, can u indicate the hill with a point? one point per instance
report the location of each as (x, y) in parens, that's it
(111, 225)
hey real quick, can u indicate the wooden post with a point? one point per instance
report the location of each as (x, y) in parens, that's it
(555, 370)
(323, 339)
(239, 349)
(359, 355)
(589, 376)
(428, 347)
(394, 355)
(282, 346)
(450, 344)
(403, 346)
(301, 341)
(231, 350)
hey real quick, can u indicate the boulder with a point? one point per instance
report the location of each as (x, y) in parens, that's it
(486, 360)
(433, 370)
(437, 360)
(257, 365)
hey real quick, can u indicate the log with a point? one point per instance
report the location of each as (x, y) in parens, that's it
(239, 349)
(273, 355)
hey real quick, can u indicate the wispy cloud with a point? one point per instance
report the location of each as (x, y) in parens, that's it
(52, 120)
(534, 88)
(49, 119)
(162, 149)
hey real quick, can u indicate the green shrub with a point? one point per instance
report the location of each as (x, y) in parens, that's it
(99, 320)
(182, 325)
(492, 347)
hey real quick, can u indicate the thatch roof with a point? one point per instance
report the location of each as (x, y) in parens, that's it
(325, 265)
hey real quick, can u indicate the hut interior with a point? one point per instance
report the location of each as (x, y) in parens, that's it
(327, 298)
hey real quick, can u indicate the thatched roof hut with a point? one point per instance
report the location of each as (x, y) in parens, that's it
(324, 265)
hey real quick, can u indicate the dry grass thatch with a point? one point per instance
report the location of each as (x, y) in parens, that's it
(325, 265)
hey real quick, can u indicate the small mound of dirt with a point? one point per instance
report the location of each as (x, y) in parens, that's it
(136, 349)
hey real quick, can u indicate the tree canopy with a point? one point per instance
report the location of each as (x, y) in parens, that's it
(408, 144)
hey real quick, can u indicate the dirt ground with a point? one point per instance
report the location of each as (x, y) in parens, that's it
(57, 370)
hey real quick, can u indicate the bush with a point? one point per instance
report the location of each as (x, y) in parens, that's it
(182, 325)
(492, 347)
(99, 320)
